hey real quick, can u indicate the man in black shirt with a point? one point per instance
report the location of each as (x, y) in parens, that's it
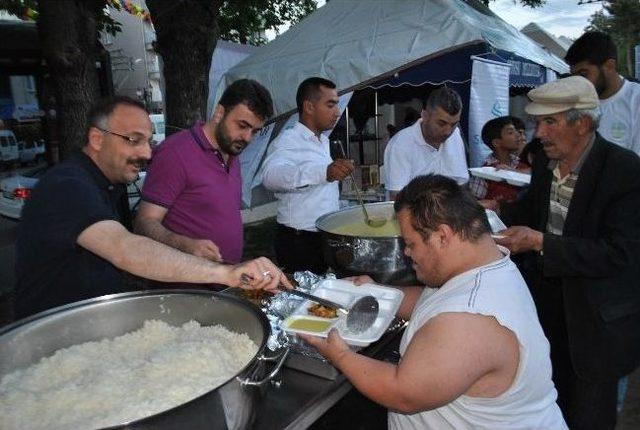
(72, 244)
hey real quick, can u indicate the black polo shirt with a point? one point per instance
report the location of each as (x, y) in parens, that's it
(51, 268)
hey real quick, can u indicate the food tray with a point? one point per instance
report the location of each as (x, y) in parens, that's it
(346, 293)
(495, 222)
(501, 175)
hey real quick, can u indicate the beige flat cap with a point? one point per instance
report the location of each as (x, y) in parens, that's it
(574, 92)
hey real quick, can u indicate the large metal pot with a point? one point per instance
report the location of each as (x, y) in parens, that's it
(230, 406)
(382, 258)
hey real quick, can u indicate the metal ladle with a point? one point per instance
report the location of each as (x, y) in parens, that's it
(371, 222)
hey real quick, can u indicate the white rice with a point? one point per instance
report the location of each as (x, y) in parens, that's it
(101, 384)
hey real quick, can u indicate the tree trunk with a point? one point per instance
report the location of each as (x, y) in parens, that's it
(68, 37)
(187, 32)
(50, 126)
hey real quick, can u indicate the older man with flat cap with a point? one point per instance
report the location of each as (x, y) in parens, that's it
(579, 224)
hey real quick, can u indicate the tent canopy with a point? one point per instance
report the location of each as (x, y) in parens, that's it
(226, 55)
(357, 42)
(457, 64)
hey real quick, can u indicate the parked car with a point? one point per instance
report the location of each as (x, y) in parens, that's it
(16, 190)
(157, 125)
(8, 147)
(31, 152)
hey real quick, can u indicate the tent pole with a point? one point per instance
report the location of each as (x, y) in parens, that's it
(377, 141)
(346, 114)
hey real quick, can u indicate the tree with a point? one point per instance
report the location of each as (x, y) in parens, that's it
(245, 21)
(622, 22)
(187, 33)
(68, 32)
(68, 35)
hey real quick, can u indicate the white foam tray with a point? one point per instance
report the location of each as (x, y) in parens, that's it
(346, 293)
(500, 175)
(494, 221)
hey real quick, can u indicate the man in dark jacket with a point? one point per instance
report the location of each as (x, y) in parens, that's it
(579, 224)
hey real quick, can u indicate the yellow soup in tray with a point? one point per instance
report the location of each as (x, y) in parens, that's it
(311, 325)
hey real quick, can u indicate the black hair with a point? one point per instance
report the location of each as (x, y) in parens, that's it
(410, 117)
(433, 200)
(251, 93)
(445, 98)
(517, 122)
(101, 110)
(492, 129)
(309, 89)
(594, 47)
(532, 149)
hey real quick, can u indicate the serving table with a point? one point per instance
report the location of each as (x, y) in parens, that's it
(301, 398)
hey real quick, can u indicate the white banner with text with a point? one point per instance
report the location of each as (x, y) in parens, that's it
(488, 99)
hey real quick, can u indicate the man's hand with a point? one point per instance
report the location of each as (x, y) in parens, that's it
(339, 169)
(202, 248)
(360, 279)
(504, 167)
(258, 274)
(333, 348)
(490, 204)
(520, 239)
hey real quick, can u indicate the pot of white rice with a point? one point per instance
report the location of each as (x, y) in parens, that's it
(153, 359)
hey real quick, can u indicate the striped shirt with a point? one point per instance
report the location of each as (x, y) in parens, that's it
(562, 191)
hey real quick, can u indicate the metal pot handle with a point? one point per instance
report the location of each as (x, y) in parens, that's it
(279, 359)
(339, 243)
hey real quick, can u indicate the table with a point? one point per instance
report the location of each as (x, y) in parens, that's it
(302, 398)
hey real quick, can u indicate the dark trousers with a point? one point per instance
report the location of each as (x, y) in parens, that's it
(298, 250)
(585, 404)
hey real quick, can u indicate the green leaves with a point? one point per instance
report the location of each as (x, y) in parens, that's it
(622, 22)
(245, 21)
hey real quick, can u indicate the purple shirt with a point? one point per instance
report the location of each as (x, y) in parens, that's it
(202, 194)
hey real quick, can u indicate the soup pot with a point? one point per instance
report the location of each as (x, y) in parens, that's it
(381, 257)
(229, 406)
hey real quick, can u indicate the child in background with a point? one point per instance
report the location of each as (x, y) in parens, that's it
(520, 128)
(501, 136)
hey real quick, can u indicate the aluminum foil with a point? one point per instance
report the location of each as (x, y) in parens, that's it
(280, 306)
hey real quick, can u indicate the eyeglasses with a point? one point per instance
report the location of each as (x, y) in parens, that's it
(133, 141)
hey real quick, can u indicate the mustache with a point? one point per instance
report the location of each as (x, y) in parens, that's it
(141, 163)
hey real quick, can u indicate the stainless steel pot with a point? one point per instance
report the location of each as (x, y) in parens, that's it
(382, 258)
(230, 406)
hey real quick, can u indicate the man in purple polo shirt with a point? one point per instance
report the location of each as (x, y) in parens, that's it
(192, 192)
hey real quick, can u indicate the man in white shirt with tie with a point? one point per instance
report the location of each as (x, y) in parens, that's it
(304, 178)
(432, 145)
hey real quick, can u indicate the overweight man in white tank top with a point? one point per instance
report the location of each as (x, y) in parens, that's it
(474, 355)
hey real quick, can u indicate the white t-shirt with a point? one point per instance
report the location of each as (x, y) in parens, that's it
(620, 120)
(296, 171)
(408, 155)
(496, 289)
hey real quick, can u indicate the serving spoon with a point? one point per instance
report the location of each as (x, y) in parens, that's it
(371, 222)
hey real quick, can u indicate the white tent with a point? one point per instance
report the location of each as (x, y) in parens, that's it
(226, 55)
(384, 44)
(357, 42)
